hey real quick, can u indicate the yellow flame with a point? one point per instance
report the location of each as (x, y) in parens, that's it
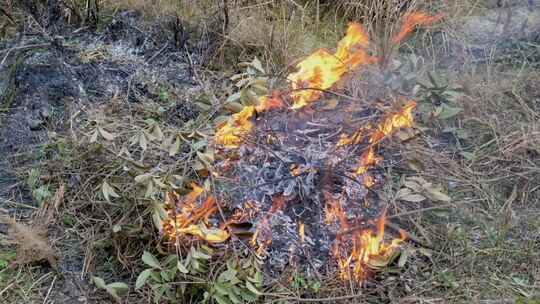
(232, 133)
(301, 232)
(191, 219)
(321, 70)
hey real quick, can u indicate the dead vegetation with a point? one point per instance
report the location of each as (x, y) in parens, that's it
(466, 184)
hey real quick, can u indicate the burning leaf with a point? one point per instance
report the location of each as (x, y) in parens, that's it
(186, 217)
(231, 134)
(211, 235)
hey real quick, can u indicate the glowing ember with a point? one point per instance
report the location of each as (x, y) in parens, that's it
(262, 238)
(302, 232)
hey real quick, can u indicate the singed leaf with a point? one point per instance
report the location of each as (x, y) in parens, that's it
(94, 136)
(108, 191)
(175, 147)
(105, 134)
(415, 198)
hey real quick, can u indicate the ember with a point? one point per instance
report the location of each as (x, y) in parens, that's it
(307, 168)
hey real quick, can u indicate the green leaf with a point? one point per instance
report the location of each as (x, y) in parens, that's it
(248, 296)
(446, 111)
(221, 299)
(99, 282)
(233, 99)
(252, 288)
(119, 286)
(150, 260)
(222, 289)
(182, 268)
(142, 278)
(234, 298)
(227, 276)
(197, 254)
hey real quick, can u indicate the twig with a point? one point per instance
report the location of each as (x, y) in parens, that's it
(158, 53)
(7, 288)
(23, 47)
(434, 208)
(49, 291)
(7, 15)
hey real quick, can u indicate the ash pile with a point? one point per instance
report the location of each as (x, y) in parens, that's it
(307, 180)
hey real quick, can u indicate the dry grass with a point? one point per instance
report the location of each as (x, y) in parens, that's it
(484, 244)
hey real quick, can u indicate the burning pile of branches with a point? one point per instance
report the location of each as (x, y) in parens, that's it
(299, 170)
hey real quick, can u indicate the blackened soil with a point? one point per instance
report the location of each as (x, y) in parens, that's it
(44, 81)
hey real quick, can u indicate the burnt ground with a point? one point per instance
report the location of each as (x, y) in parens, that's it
(45, 81)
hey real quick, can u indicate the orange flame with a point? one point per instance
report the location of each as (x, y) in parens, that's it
(369, 250)
(191, 219)
(321, 70)
(412, 20)
(262, 238)
(232, 133)
(393, 122)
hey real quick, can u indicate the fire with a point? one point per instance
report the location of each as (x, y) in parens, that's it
(411, 20)
(360, 245)
(262, 238)
(393, 122)
(187, 217)
(369, 250)
(321, 70)
(232, 133)
(302, 232)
